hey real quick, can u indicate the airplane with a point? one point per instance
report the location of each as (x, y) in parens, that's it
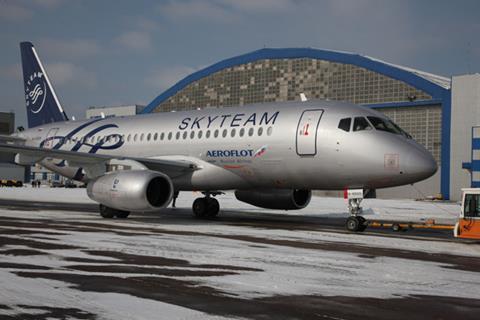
(271, 154)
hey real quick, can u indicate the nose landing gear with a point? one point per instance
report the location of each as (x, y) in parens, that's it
(206, 207)
(355, 223)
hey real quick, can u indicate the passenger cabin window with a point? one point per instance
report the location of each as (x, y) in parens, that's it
(360, 124)
(472, 206)
(344, 124)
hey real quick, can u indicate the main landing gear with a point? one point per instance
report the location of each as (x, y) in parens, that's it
(109, 213)
(355, 223)
(206, 207)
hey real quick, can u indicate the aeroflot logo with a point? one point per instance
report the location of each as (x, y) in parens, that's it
(36, 92)
(229, 120)
(229, 153)
(242, 153)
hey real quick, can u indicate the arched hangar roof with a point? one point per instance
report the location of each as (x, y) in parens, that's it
(432, 84)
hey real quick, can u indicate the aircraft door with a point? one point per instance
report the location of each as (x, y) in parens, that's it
(307, 132)
(49, 142)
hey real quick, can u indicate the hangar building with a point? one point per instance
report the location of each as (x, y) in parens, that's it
(437, 111)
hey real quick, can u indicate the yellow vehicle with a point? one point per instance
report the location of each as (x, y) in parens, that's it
(11, 183)
(468, 225)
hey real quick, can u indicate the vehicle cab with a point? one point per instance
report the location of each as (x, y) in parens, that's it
(468, 225)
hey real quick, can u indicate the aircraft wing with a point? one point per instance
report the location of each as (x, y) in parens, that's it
(91, 160)
(7, 139)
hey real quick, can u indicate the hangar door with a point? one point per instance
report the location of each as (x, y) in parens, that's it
(307, 132)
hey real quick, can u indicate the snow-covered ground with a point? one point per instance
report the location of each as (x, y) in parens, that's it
(405, 209)
(276, 262)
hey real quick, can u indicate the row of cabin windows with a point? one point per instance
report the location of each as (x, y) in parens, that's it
(178, 135)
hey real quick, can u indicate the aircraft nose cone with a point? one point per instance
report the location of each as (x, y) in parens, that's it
(421, 164)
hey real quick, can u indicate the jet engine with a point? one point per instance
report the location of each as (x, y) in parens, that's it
(282, 199)
(132, 190)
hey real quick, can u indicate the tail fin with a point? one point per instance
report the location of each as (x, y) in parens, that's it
(42, 102)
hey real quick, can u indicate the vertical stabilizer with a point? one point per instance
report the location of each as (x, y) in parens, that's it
(42, 102)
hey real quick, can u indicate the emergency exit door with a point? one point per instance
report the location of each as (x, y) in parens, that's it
(49, 138)
(307, 132)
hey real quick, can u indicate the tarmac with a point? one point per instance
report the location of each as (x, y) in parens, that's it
(262, 266)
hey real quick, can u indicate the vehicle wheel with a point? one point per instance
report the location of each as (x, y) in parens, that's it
(213, 207)
(120, 214)
(353, 224)
(199, 207)
(106, 212)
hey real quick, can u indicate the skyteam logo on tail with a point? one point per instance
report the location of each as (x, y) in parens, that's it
(36, 92)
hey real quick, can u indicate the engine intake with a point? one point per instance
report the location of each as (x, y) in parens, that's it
(275, 198)
(132, 190)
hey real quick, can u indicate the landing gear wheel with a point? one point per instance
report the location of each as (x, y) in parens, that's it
(213, 207)
(356, 224)
(106, 212)
(205, 208)
(109, 213)
(363, 223)
(199, 207)
(120, 214)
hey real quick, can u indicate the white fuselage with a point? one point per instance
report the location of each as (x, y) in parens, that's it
(276, 145)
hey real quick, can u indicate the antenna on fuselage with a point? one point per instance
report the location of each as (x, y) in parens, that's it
(102, 114)
(303, 97)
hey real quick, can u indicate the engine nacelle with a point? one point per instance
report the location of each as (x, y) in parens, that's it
(132, 190)
(282, 199)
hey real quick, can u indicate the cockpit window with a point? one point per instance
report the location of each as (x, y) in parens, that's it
(360, 124)
(344, 124)
(405, 133)
(387, 125)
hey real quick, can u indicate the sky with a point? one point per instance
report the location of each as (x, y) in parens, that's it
(104, 53)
